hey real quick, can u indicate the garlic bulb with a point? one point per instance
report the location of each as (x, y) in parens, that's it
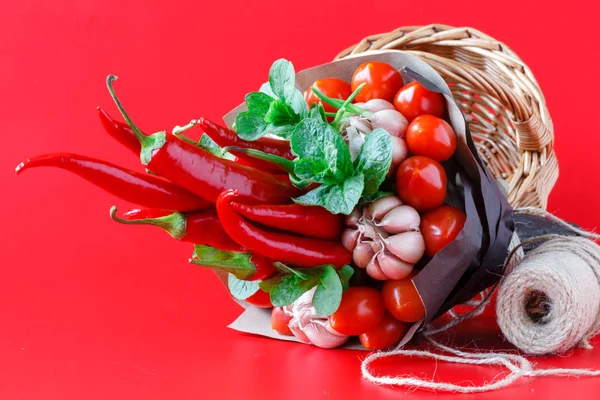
(311, 328)
(384, 238)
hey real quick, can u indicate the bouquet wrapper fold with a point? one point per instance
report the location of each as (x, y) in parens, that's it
(475, 259)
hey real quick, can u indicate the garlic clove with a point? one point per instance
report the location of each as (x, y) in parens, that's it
(350, 238)
(400, 150)
(390, 120)
(393, 267)
(319, 336)
(375, 105)
(353, 219)
(374, 270)
(380, 207)
(407, 246)
(362, 254)
(401, 219)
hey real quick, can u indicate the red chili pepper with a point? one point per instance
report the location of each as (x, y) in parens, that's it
(314, 222)
(124, 135)
(119, 131)
(203, 173)
(131, 186)
(202, 227)
(226, 137)
(295, 250)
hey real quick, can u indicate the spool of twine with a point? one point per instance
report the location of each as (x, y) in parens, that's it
(548, 302)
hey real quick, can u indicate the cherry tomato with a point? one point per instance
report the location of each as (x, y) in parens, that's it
(330, 87)
(431, 136)
(402, 300)
(260, 299)
(360, 311)
(386, 334)
(440, 227)
(280, 321)
(414, 100)
(421, 183)
(382, 81)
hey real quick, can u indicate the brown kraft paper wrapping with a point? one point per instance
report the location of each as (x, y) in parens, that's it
(474, 260)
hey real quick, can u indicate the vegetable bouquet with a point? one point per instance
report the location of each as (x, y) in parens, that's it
(343, 201)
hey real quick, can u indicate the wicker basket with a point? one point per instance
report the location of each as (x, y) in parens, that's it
(504, 105)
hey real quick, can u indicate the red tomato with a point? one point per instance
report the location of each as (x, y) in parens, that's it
(432, 137)
(421, 183)
(402, 300)
(382, 81)
(414, 100)
(330, 87)
(440, 227)
(280, 321)
(260, 299)
(385, 335)
(360, 311)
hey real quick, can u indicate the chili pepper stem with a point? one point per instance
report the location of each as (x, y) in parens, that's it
(174, 224)
(242, 272)
(148, 143)
(178, 130)
(284, 163)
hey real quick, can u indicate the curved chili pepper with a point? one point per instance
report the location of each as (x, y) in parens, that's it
(243, 265)
(136, 214)
(120, 131)
(315, 222)
(295, 250)
(203, 173)
(227, 137)
(131, 186)
(202, 227)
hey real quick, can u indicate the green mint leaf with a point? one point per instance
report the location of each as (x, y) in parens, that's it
(290, 288)
(258, 103)
(345, 273)
(310, 169)
(250, 126)
(297, 103)
(299, 182)
(282, 82)
(315, 140)
(338, 198)
(284, 131)
(328, 294)
(375, 159)
(266, 89)
(240, 289)
(281, 267)
(282, 78)
(209, 145)
(280, 114)
(236, 263)
(268, 284)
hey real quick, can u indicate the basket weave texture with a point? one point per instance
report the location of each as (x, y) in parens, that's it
(497, 92)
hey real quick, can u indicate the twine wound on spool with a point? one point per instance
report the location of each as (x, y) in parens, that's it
(548, 302)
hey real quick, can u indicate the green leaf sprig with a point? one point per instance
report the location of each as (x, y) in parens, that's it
(322, 155)
(276, 108)
(292, 283)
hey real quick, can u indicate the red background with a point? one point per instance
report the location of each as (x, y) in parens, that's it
(90, 309)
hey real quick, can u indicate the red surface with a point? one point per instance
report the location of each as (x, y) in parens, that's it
(93, 310)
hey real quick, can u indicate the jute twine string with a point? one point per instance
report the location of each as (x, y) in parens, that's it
(548, 302)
